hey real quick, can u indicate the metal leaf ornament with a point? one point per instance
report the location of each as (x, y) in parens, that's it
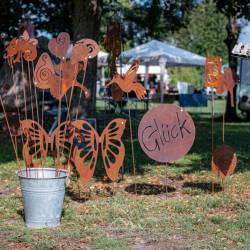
(224, 161)
(126, 82)
(88, 143)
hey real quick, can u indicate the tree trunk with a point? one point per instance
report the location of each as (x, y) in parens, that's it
(232, 37)
(86, 24)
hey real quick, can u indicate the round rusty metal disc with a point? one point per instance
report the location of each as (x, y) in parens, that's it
(224, 161)
(166, 133)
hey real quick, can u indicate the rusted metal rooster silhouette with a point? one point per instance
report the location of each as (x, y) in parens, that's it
(126, 82)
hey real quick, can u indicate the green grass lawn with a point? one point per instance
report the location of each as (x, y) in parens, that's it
(104, 215)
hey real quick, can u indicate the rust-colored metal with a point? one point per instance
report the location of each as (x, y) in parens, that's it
(112, 39)
(21, 47)
(92, 46)
(213, 71)
(35, 148)
(166, 133)
(86, 152)
(126, 82)
(224, 161)
(59, 78)
(44, 74)
(59, 46)
(112, 44)
(229, 81)
(80, 53)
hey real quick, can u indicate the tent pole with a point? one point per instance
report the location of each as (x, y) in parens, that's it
(146, 81)
(162, 63)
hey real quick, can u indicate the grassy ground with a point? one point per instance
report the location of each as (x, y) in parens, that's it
(112, 216)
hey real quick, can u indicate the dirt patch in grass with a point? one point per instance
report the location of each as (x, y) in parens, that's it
(208, 187)
(149, 189)
(19, 246)
(226, 212)
(7, 191)
(176, 242)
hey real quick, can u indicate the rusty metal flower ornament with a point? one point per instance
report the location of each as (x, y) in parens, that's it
(23, 46)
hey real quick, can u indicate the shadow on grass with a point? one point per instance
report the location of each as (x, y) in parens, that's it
(20, 212)
(77, 196)
(148, 189)
(204, 186)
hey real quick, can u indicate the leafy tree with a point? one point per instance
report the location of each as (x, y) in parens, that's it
(192, 75)
(233, 10)
(204, 31)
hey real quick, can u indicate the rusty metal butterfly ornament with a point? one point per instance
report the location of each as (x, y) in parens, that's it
(36, 146)
(88, 143)
(24, 46)
(126, 82)
(61, 77)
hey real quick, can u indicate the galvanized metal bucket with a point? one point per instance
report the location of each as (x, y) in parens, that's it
(43, 191)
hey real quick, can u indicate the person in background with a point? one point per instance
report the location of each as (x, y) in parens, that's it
(152, 88)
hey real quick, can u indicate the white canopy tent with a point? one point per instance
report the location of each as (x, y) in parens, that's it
(164, 55)
(154, 50)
